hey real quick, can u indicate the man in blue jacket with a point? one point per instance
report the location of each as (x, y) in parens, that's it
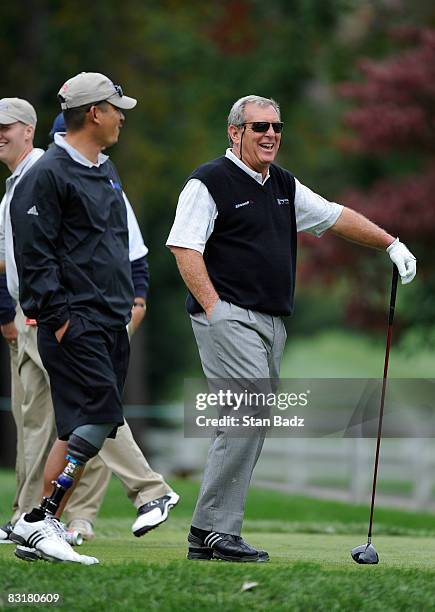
(147, 490)
(71, 247)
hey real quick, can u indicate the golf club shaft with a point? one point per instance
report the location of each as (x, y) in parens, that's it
(384, 386)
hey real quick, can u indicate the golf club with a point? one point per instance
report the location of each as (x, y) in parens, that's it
(366, 553)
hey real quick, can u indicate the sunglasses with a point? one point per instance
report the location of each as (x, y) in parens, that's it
(263, 126)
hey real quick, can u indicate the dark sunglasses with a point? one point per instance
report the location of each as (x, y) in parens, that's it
(263, 126)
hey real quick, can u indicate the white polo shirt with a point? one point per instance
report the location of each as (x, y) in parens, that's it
(6, 237)
(197, 212)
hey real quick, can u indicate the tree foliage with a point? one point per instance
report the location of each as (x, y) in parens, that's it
(187, 62)
(392, 119)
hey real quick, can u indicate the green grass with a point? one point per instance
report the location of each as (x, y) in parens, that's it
(182, 586)
(309, 542)
(340, 354)
(392, 487)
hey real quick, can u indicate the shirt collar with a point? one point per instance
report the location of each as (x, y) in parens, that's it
(24, 163)
(257, 176)
(32, 156)
(59, 140)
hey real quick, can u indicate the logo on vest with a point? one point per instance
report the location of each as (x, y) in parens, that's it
(243, 204)
(283, 201)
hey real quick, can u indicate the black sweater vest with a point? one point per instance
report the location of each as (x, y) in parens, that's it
(251, 253)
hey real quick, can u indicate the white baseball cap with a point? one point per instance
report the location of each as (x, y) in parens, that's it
(16, 109)
(88, 87)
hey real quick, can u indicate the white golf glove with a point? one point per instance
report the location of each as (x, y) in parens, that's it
(405, 261)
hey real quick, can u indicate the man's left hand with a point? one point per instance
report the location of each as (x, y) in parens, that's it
(405, 261)
(9, 332)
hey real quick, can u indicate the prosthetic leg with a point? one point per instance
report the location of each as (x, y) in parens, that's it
(84, 444)
(38, 533)
(79, 452)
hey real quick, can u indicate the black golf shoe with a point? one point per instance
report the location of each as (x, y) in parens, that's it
(225, 547)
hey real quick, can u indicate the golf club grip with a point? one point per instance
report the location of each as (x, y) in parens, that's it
(393, 294)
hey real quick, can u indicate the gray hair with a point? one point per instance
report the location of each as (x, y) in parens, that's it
(237, 112)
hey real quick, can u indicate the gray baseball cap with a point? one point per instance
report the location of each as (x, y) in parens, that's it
(88, 87)
(16, 109)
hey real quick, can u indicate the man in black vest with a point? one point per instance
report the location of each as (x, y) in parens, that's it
(234, 239)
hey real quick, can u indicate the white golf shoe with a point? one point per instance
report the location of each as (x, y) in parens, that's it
(5, 532)
(155, 512)
(48, 538)
(27, 554)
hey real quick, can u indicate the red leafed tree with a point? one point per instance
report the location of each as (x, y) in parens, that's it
(393, 117)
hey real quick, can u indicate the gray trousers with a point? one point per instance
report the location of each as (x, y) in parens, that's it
(236, 344)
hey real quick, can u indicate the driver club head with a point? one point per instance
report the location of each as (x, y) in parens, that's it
(365, 554)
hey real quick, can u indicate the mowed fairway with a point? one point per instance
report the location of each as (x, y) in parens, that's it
(309, 542)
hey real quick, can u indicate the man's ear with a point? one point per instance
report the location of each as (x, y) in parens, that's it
(94, 114)
(29, 132)
(234, 133)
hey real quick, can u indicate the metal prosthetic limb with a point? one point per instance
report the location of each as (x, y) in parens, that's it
(65, 481)
(80, 450)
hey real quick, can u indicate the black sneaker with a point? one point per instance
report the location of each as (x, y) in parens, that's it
(225, 547)
(152, 514)
(5, 532)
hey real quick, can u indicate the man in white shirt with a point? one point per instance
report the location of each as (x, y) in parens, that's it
(234, 239)
(33, 413)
